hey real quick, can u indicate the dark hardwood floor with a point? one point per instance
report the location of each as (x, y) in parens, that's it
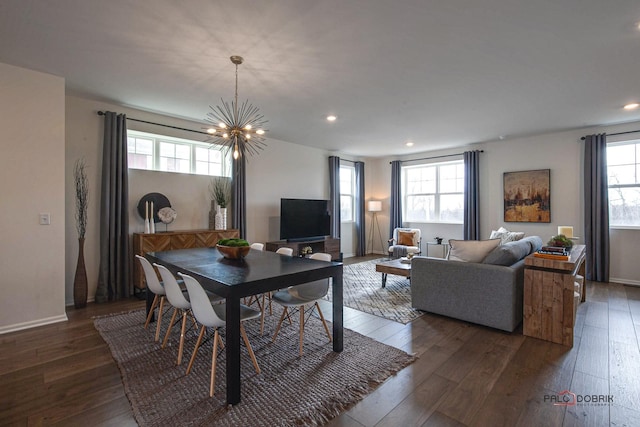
(466, 375)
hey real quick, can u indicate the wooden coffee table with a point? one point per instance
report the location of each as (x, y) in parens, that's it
(394, 266)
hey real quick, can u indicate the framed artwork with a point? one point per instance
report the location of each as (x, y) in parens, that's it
(527, 196)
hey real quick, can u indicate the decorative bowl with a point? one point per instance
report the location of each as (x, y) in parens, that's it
(233, 252)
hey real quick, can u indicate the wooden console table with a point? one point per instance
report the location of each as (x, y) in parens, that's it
(549, 299)
(328, 245)
(169, 240)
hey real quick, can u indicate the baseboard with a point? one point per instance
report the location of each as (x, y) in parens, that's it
(624, 281)
(71, 303)
(33, 324)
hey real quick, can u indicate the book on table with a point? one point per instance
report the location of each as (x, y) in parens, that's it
(555, 256)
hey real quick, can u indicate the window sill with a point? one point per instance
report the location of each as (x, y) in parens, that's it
(624, 227)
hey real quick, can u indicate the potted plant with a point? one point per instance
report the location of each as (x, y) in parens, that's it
(82, 198)
(220, 193)
(560, 241)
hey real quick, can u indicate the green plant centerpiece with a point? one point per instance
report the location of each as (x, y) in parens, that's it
(560, 241)
(233, 248)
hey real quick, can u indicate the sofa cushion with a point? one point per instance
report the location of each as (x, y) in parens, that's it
(471, 250)
(405, 238)
(508, 253)
(512, 252)
(505, 235)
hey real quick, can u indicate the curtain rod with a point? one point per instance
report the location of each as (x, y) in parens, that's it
(614, 134)
(101, 113)
(435, 157)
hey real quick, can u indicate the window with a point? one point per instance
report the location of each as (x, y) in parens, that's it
(347, 193)
(433, 192)
(623, 170)
(164, 153)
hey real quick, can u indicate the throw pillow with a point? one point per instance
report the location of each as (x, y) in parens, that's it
(405, 238)
(505, 235)
(471, 250)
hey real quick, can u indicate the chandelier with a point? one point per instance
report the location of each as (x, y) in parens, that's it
(237, 127)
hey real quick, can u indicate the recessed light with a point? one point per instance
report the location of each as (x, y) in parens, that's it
(631, 106)
(409, 144)
(331, 118)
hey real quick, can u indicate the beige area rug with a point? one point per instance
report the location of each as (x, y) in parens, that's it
(363, 291)
(290, 391)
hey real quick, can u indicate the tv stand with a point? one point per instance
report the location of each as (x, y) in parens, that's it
(328, 245)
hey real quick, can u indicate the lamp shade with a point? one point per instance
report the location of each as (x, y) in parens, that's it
(374, 206)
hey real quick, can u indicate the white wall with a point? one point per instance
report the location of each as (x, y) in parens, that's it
(560, 152)
(32, 168)
(281, 170)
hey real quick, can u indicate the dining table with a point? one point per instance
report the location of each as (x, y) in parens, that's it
(256, 273)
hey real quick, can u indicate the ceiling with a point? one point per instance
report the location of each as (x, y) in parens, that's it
(437, 73)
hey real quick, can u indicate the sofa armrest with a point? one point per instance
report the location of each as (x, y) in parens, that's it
(487, 294)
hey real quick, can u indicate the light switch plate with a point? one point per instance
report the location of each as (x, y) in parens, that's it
(45, 219)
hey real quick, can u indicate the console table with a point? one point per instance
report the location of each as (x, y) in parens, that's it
(327, 245)
(170, 240)
(549, 296)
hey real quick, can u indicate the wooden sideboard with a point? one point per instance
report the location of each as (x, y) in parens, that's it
(549, 296)
(328, 245)
(170, 240)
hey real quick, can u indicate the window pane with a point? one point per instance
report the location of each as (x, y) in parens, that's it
(421, 180)
(420, 208)
(621, 154)
(346, 180)
(183, 152)
(624, 206)
(622, 174)
(451, 179)
(144, 146)
(452, 208)
(346, 211)
(167, 149)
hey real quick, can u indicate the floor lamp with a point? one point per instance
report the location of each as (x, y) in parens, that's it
(375, 206)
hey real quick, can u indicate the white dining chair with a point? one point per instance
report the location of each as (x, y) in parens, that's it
(299, 296)
(257, 246)
(214, 316)
(182, 305)
(157, 287)
(285, 251)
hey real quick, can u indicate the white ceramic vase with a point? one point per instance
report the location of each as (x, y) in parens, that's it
(218, 221)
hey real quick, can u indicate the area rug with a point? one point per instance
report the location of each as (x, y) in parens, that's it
(363, 291)
(290, 391)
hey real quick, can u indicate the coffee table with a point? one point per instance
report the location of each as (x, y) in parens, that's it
(394, 266)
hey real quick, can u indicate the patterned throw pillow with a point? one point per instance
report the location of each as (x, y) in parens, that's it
(505, 235)
(405, 238)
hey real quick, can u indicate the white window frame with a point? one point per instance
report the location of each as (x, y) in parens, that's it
(437, 194)
(632, 162)
(349, 193)
(157, 139)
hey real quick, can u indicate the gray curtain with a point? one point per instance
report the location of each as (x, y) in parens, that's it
(334, 195)
(239, 195)
(113, 275)
(361, 235)
(395, 205)
(596, 208)
(471, 227)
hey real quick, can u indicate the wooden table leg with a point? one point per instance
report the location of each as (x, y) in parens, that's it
(233, 350)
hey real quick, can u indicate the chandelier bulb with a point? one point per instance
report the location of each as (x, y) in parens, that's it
(248, 127)
(248, 135)
(225, 135)
(222, 125)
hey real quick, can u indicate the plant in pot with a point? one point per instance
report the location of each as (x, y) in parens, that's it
(82, 198)
(220, 193)
(560, 241)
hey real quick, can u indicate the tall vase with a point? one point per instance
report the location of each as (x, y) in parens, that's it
(218, 219)
(80, 281)
(223, 212)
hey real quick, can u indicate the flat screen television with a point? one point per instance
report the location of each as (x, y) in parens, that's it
(304, 219)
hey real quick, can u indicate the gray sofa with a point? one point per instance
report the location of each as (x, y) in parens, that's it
(487, 293)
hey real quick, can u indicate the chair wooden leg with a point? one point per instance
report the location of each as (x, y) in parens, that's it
(326, 328)
(214, 357)
(197, 347)
(284, 313)
(262, 316)
(251, 354)
(301, 330)
(173, 319)
(159, 320)
(220, 342)
(182, 331)
(150, 315)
